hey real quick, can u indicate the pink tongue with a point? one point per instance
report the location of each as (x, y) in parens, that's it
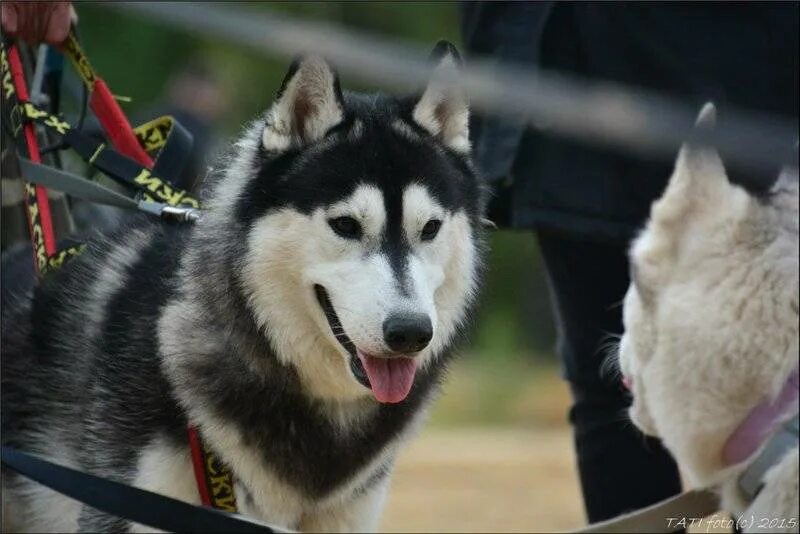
(390, 378)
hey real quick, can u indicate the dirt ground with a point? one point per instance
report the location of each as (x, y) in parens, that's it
(485, 480)
(491, 480)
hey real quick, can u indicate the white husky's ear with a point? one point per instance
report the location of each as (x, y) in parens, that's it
(699, 182)
(707, 118)
(701, 166)
(309, 104)
(443, 109)
(698, 201)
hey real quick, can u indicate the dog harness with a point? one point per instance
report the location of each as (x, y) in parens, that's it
(135, 159)
(160, 146)
(214, 479)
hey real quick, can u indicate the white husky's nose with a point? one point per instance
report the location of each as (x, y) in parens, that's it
(407, 332)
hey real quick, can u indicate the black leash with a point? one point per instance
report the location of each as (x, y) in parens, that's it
(131, 503)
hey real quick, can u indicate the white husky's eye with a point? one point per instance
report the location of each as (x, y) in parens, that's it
(430, 229)
(346, 227)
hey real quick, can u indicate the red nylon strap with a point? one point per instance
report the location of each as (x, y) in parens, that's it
(18, 79)
(198, 463)
(104, 105)
(115, 124)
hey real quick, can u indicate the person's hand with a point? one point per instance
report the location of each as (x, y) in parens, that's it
(36, 22)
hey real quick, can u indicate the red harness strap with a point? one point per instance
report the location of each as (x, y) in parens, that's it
(105, 107)
(38, 219)
(198, 462)
(116, 124)
(214, 479)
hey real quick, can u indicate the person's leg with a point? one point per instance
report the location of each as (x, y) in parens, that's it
(620, 470)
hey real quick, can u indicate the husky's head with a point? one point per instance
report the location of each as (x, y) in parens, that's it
(361, 216)
(711, 325)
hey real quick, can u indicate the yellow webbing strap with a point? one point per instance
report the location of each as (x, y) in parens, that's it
(72, 49)
(152, 136)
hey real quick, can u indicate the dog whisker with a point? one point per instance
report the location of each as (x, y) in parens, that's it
(609, 349)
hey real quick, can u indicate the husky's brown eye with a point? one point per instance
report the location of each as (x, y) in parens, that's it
(346, 227)
(430, 229)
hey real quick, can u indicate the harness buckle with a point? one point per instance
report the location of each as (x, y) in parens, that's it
(180, 214)
(165, 211)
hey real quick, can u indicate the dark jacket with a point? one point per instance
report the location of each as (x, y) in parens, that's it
(733, 54)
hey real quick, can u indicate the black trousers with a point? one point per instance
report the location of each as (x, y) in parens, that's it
(620, 470)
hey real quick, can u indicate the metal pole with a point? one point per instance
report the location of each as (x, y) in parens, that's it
(601, 113)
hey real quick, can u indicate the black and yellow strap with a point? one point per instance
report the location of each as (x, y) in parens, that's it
(64, 254)
(93, 191)
(45, 262)
(9, 91)
(72, 49)
(170, 144)
(37, 206)
(102, 157)
(214, 479)
(163, 138)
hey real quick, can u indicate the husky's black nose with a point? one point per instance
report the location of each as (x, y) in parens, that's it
(409, 332)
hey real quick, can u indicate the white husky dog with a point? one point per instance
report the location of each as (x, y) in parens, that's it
(710, 349)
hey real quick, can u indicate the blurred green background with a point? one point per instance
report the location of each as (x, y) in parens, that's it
(508, 370)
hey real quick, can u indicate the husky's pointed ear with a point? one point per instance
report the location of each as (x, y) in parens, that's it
(701, 166)
(699, 180)
(707, 118)
(443, 109)
(309, 104)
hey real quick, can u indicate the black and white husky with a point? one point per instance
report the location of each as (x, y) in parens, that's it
(302, 325)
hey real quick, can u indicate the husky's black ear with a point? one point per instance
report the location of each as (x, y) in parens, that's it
(443, 109)
(309, 104)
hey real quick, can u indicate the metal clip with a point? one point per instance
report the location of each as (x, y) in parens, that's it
(165, 211)
(180, 214)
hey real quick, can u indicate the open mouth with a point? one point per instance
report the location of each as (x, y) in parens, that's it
(338, 332)
(390, 379)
